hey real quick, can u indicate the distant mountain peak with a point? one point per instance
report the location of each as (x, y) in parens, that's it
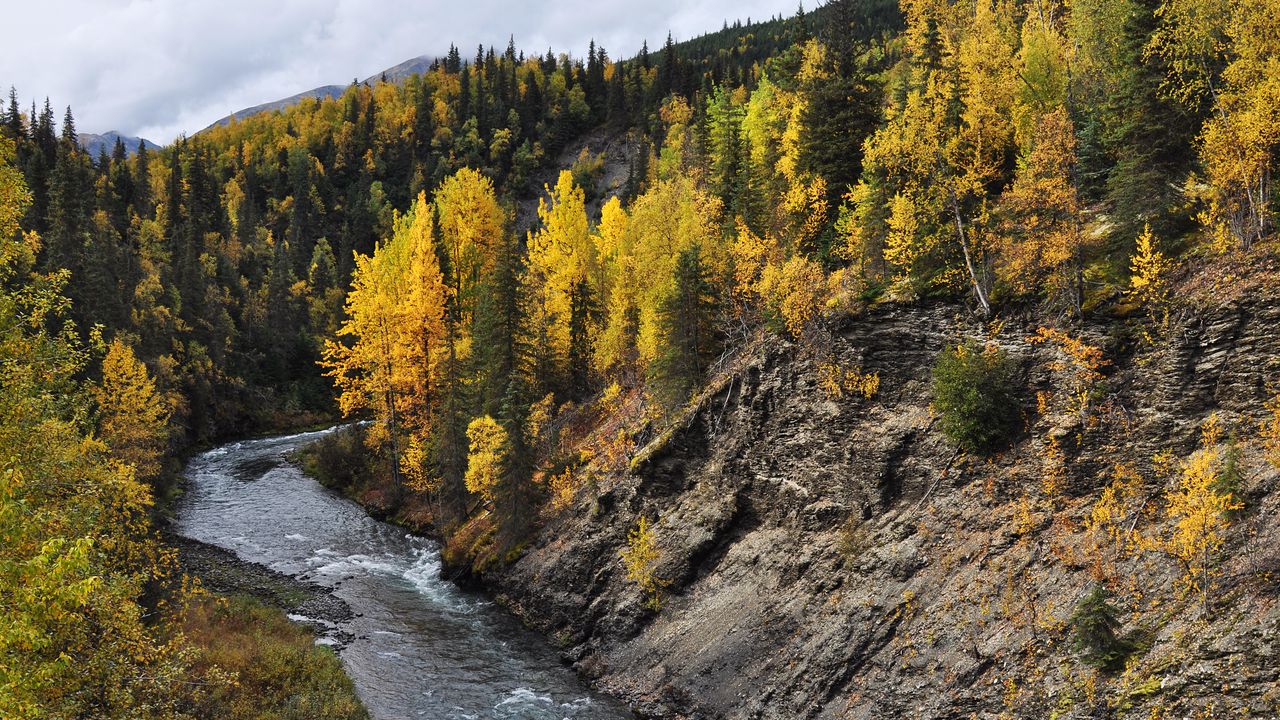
(96, 144)
(395, 73)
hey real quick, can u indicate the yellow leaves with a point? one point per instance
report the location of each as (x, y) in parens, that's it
(133, 417)
(563, 488)
(611, 243)
(1116, 509)
(1043, 238)
(805, 201)
(795, 292)
(561, 255)
(1200, 513)
(673, 216)
(541, 417)
(1270, 433)
(751, 253)
(414, 461)
(792, 292)
(471, 227)
(641, 559)
(1043, 63)
(1149, 281)
(487, 457)
(904, 246)
(14, 196)
(395, 326)
(1080, 366)
(836, 381)
(1238, 141)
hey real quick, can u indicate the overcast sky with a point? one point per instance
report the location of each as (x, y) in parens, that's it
(156, 68)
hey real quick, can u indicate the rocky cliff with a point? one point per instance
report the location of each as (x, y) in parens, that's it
(837, 558)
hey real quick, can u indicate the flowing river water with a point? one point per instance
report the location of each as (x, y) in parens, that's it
(418, 646)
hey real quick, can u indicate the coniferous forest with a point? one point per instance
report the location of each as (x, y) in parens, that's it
(531, 274)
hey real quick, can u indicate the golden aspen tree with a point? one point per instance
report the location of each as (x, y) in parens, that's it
(1149, 277)
(929, 170)
(422, 339)
(486, 458)
(672, 217)
(363, 367)
(1044, 242)
(676, 159)
(396, 336)
(471, 233)
(640, 558)
(973, 156)
(423, 300)
(614, 349)
(132, 415)
(564, 271)
(1200, 511)
(1224, 54)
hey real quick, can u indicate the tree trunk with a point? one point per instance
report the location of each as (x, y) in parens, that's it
(979, 289)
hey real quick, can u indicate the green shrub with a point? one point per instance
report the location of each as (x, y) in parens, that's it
(339, 460)
(973, 390)
(279, 672)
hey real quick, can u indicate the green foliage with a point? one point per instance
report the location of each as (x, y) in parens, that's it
(279, 671)
(974, 393)
(1094, 626)
(75, 548)
(340, 460)
(690, 339)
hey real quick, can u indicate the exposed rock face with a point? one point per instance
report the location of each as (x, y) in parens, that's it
(836, 559)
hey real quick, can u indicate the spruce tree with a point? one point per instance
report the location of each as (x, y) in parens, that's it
(691, 342)
(1094, 624)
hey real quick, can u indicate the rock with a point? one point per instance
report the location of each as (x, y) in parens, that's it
(957, 606)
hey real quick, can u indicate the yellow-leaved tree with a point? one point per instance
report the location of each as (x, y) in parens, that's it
(132, 415)
(672, 217)
(929, 171)
(1225, 55)
(1044, 241)
(471, 233)
(76, 553)
(391, 348)
(565, 274)
(1149, 279)
(487, 458)
(1200, 508)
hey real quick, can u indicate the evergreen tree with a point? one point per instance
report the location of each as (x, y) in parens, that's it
(691, 341)
(1094, 626)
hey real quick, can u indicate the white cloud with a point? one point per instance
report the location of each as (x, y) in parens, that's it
(157, 68)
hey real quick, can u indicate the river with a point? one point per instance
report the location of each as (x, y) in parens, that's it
(418, 646)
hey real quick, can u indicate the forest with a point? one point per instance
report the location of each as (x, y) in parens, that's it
(363, 257)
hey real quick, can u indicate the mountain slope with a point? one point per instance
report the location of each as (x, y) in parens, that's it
(396, 73)
(320, 93)
(95, 144)
(835, 558)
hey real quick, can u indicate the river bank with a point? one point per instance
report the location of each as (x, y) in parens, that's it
(835, 557)
(415, 644)
(223, 572)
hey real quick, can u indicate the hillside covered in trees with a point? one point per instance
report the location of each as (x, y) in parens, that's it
(1095, 174)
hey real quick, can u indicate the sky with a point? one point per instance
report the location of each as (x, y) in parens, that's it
(157, 68)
